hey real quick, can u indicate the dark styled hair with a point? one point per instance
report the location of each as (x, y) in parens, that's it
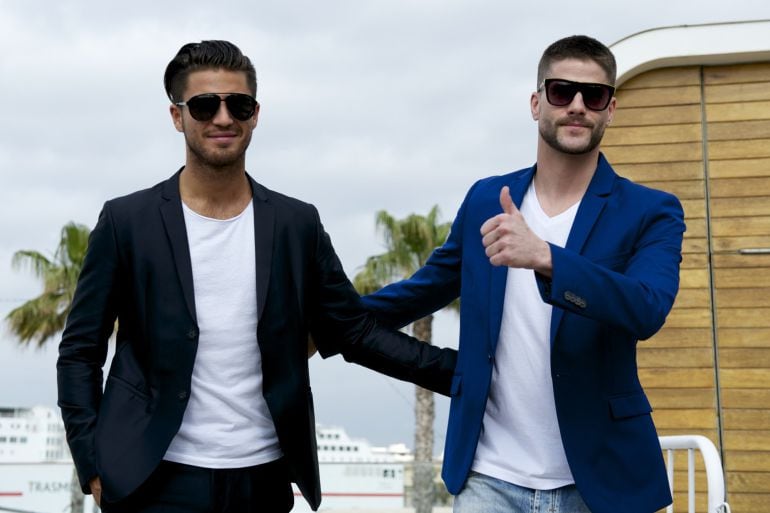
(205, 55)
(578, 47)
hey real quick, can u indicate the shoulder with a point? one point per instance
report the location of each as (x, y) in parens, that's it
(285, 206)
(643, 196)
(492, 184)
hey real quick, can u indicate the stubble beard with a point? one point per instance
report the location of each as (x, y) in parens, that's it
(549, 133)
(221, 160)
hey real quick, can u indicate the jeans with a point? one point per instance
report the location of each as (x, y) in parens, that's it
(484, 494)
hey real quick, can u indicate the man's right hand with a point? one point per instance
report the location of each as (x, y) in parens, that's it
(96, 490)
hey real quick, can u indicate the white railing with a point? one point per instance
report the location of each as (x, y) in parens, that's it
(714, 475)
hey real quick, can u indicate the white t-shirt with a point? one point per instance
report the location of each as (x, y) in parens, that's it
(520, 440)
(227, 423)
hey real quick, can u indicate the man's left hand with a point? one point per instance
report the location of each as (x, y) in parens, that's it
(509, 241)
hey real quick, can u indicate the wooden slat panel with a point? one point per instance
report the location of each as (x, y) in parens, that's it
(746, 397)
(694, 244)
(744, 378)
(693, 298)
(748, 482)
(694, 261)
(681, 337)
(749, 502)
(665, 77)
(734, 111)
(732, 244)
(711, 434)
(685, 189)
(746, 419)
(730, 93)
(660, 96)
(739, 168)
(751, 206)
(685, 419)
(754, 461)
(743, 318)
(693, 278)
(677, 378)
(744, 357)
(655, 153)
(746, 440)
(736, 73)
(743, 298)
(658, 116)
(660, 171)
(694, 357)
(740, 226)
(744, 337)
(696, 228)
(673, 398)
(740, 278)
(737, 260)
(739, 187)
(745, 130)
(652, 134)
(693, 208)
(689, 318)
(739, 149)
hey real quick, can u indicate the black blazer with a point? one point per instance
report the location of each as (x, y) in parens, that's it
(137, 270)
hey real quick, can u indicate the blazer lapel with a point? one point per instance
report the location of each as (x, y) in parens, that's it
(264, 223)
(498, 276)
(591, 206)
(173, 221)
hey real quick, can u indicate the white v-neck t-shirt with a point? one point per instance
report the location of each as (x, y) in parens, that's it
(227, 423)
(520, 440)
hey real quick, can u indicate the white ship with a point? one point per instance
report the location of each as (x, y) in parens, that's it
(354, 474)
(36, 469)
(35, 464)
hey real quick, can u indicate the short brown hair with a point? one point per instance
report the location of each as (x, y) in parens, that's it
(578, 47)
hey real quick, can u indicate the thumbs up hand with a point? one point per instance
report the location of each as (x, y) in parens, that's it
(508, 240)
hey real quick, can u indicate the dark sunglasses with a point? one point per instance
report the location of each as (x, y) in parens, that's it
(561, 92)
(204, 107)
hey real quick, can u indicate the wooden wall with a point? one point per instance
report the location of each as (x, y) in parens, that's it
(703, 133)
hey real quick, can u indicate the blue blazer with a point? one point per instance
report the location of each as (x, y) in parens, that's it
(612, 285)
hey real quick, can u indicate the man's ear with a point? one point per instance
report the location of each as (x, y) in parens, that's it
(255, 117)
(534, 105)
(176, 117)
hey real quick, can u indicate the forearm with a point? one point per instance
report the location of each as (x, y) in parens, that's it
(403, 357)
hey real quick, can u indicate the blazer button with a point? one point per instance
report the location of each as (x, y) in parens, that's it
(192, 334)
(182, 395)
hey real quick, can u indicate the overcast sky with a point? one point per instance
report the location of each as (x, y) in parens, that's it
(366, 105)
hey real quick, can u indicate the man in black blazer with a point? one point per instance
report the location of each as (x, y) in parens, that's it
(216, 283)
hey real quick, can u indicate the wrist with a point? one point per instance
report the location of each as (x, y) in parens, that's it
(544, 263)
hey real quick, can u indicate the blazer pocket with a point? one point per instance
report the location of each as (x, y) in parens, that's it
(627, 406)
(457, 385)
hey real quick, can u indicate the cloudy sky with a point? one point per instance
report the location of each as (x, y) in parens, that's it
(366, 105)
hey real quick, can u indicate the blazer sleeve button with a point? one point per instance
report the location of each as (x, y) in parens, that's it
(192, 334)
(182, 395)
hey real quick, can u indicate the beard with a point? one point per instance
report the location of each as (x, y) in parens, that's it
(549, 131)
(217, 158)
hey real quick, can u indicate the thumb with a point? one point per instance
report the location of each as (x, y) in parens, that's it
(506, 201)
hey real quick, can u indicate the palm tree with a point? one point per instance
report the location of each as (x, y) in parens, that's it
(43, 317)
(409, 243)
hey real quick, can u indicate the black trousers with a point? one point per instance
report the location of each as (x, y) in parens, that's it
(178, 488)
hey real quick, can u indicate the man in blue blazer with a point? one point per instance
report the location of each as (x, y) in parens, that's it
(216, 282)
(561, 268)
